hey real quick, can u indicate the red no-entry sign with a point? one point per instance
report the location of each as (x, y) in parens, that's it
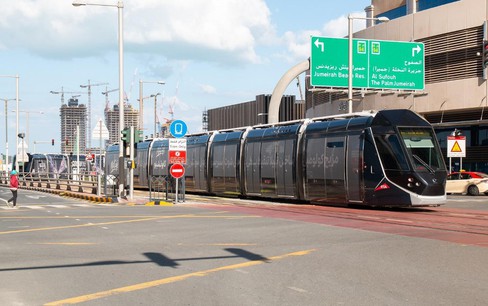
(177, 170)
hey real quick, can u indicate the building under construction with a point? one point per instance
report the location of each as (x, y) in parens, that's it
(73, 115)
(131, 118)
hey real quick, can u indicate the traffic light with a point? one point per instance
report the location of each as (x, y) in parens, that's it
(52, 142)
(138, 136)
(125, 136)
(485, 59)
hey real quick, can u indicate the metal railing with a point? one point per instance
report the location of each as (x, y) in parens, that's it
(81, 183)
(163, 187)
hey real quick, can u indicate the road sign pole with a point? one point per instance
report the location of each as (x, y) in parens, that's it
(177, 171)
(349, 83)
(176, 197)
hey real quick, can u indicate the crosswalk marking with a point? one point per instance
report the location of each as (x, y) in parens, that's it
(48, 206)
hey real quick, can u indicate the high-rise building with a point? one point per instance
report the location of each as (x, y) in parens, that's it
(131, 118)
(73, 115)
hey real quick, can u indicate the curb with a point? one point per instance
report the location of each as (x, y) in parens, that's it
(86, 197)
(159, 203)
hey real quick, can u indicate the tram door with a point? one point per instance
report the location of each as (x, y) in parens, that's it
(195, 170)
(334, 164)
(285, 175)
(354, 167)
(252, 166)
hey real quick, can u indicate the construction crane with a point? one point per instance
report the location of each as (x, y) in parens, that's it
(89, 86)
(106, 92)
(62, 92)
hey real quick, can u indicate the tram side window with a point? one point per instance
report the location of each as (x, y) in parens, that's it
(391, 153)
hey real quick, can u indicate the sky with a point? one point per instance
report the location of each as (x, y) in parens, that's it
(209, 53)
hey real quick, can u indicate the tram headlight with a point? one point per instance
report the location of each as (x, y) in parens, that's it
(410, 179)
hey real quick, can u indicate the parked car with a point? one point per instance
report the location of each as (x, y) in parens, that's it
(472, 183)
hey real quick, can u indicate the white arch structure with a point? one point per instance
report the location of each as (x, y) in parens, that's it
(290, 75)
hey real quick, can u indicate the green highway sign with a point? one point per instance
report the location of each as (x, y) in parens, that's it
(376, 63)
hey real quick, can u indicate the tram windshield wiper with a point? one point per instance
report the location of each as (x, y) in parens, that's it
(420, 160)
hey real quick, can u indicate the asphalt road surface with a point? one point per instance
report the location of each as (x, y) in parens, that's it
(59, 251)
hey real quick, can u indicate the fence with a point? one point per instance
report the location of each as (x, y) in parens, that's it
(163, 187)
(80, 183)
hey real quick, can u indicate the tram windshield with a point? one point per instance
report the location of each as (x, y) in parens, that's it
(422, 149)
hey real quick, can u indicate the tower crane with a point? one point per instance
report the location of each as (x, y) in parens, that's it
(106, 92)
(89, 86)
(62, 92)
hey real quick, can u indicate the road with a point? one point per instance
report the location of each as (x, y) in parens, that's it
(206, 251)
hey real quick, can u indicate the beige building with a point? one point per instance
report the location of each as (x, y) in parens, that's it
(131, 118)
(455, 93)
(72, 116)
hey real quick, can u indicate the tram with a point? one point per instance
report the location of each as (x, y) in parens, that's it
(388, 158)
(60, 165)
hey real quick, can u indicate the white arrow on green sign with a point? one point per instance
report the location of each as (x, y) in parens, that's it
(376, 63)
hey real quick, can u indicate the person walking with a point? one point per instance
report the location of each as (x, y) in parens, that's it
(14, 185)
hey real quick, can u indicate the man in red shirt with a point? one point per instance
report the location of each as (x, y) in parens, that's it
(14, 185)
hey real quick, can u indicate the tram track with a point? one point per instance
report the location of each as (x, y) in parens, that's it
(457, 225)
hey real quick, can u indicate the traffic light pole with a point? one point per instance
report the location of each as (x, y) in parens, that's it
(131, 158)
(125, 139)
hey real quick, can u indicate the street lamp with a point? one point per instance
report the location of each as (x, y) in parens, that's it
(141, 101)
(119, 6)
(17, 116)
(350, 31)
(27, 135)
(6, 131)
(155, 104)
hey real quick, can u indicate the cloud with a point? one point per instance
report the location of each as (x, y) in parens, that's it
(208, 89)
(210, 30)
(298, 44)
(339, 27)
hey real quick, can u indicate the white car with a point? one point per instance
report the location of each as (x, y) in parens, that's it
(466, 182)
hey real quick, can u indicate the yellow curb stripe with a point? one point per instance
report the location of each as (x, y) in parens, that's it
(102, 294)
